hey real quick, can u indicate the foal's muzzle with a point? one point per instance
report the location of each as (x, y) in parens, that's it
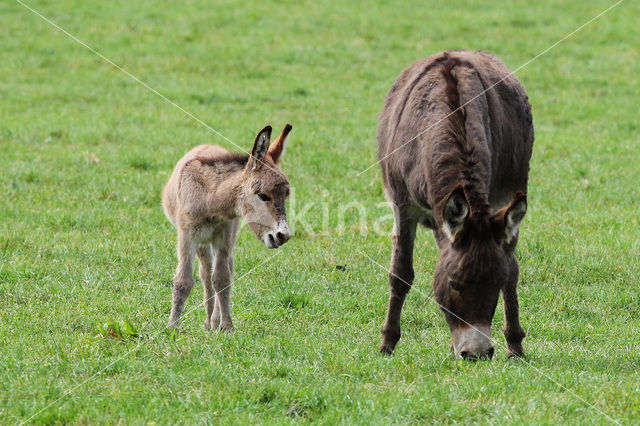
(278, 236)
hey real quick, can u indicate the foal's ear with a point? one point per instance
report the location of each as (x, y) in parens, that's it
(455, 213)
(276, 151)
(260, 147)
(512, 215)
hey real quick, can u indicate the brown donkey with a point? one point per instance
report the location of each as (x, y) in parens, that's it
(454, 142)
(207, 193)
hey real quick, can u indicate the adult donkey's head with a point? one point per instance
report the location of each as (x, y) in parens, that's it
(476, 261)
(265, 189)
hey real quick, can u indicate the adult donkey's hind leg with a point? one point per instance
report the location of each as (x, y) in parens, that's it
(183, 280)
(400, 276)
(205, 258)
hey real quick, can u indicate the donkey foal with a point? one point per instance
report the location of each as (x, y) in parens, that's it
(207, 193)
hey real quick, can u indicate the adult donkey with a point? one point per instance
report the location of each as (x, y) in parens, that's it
(454, 142)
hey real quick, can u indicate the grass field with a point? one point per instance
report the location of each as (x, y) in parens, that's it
(85, 151)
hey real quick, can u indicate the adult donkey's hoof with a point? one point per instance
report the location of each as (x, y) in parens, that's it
(387, 348)
(390, 338)
(516, 352)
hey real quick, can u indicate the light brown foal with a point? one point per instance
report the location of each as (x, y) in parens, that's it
(207, 193)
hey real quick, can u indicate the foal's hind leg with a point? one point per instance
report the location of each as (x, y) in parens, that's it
(183, 280)
(400, 275)
(205, 257)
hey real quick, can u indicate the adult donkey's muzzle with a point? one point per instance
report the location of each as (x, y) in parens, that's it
(472, 342)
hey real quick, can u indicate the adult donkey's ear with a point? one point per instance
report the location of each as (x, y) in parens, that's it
(276, 151)
(260, 147)
(512, 215)
(455, 214)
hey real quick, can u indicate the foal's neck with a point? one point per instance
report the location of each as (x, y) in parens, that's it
(225, 189)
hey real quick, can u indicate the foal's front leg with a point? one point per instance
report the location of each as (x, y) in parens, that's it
(183, 280)
(400, 276)
(205, 257)
(222, 276)
(222, 285)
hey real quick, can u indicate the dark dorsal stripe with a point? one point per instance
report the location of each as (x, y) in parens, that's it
(452, 83)
(239, 159)
(471, 182)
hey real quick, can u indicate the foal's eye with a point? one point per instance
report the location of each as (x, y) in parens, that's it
(264, 197)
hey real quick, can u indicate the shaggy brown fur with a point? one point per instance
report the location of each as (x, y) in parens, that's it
(455, 153)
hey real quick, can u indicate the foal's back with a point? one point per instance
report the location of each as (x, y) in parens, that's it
(170, 195)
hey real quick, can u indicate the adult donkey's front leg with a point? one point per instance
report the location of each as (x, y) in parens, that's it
(183, 280)
(513, 331)
(400, 275)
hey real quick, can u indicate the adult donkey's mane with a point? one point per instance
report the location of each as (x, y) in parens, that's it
(458, 161)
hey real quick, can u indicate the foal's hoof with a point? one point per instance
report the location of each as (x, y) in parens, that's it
(225, 328)
(212, 324)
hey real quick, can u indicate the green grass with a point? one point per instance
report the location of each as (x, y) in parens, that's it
(85, 151)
